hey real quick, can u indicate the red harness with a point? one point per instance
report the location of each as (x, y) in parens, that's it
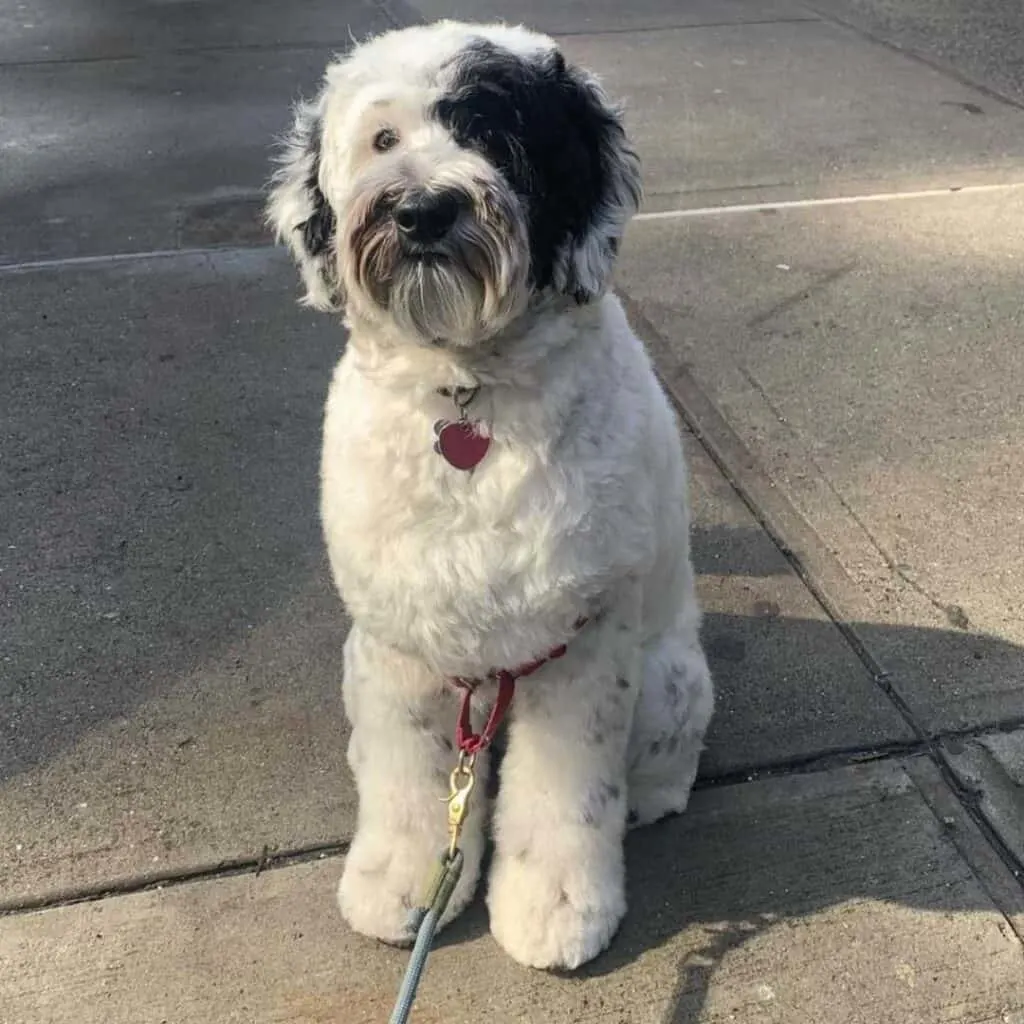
(469, 742)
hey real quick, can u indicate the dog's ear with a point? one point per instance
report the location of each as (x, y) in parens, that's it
(612, 189)
(299, 212)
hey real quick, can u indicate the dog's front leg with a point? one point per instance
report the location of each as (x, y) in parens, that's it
(400, 753)
(557, 887)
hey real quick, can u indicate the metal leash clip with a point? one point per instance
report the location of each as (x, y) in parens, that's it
(460, 785)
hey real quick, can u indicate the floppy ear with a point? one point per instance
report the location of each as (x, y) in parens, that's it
(584, 263)
(298, 210)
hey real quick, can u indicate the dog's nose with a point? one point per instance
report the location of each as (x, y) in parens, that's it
(426, 216)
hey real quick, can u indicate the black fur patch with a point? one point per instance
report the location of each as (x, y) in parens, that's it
(318, 229)
(545, 130)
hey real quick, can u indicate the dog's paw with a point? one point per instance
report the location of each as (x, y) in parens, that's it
(552, 912)
(383, 881)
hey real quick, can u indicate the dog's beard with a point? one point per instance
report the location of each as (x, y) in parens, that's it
(461, 289)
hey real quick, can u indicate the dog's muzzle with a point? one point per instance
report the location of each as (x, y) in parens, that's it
(442, 259)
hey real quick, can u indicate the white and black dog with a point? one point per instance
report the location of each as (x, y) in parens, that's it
(501, 473)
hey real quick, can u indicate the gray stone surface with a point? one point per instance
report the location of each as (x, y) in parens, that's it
(133, 126)
(172, 149)
(869, 358)
(788, 685)
(980, 39)
(52, 31)
(992, 768)
(108, 157)
(837, 897)
(800, 109)
(170, 644)
(580, 16)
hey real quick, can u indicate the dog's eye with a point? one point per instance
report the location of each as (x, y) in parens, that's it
(385, 139)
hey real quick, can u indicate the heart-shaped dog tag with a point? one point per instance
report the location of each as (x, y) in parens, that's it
(460, 443)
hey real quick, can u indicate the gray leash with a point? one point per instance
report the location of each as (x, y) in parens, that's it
(425, 920)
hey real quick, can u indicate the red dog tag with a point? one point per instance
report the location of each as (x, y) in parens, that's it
(460, 443)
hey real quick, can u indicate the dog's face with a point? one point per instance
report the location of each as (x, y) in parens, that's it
(447, 173)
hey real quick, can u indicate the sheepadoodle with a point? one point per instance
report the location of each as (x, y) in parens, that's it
(502, 478)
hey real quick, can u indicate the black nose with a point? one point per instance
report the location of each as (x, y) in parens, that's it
(427, 216)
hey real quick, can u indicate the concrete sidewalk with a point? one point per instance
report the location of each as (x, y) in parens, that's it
(828, 274)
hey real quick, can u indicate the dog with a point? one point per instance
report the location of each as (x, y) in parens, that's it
(502, 476)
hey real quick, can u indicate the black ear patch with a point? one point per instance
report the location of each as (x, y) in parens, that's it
(299, 212)
(318, 229)
(547, 130)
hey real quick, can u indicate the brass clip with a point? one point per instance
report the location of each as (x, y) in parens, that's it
(460, 785)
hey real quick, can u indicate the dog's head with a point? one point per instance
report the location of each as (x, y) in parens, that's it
(447, 173)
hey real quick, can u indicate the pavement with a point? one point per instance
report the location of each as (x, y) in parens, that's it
(828, 274)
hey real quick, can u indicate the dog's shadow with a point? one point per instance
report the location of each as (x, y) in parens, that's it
(753, 855)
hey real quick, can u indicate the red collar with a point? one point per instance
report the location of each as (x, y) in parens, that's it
(470, 742)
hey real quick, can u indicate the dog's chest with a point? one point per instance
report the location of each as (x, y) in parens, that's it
(420, 548)
(396, 495)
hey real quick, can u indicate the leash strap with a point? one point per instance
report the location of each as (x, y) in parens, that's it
(425, 920)
(470, 742)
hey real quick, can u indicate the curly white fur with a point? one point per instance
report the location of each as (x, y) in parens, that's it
(578, 509)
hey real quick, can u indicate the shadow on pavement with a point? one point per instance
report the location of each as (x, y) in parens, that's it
(159, 483)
